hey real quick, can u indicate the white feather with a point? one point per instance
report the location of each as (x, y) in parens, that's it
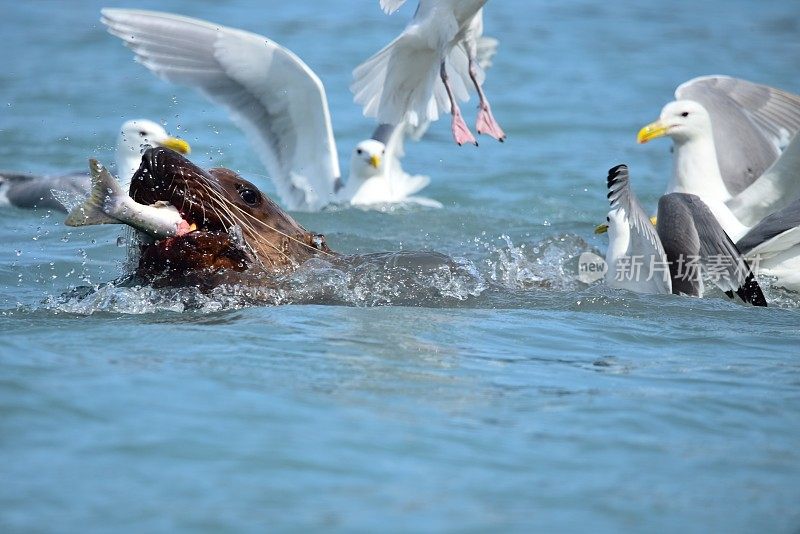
(273, 96)
(397, 84)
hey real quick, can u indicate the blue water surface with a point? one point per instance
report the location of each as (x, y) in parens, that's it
(509, 398)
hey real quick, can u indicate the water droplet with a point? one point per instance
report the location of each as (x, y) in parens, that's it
(18, 252)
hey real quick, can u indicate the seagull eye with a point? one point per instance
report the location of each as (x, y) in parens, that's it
(685, 114)
(359, 151)
(383, 152)
(142, 133)
(250, 196)
(608, 219)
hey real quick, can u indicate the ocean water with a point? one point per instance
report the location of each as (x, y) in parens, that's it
(504, 395)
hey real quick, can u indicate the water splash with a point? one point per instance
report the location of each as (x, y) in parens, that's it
(398, 278)
(550, 263)
(404, 278)
(69, 199)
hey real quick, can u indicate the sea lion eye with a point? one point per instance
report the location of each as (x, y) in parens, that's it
(318, 242)
(250, 196)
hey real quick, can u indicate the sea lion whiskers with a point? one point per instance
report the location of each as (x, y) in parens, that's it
(230, 205)
(287, 236)
(291, 238)
(222, 208)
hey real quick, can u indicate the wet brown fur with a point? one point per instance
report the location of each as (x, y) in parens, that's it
(217, 201)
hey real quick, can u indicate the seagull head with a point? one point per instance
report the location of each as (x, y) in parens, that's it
(682, 120)
(367, 159)
(135, 136)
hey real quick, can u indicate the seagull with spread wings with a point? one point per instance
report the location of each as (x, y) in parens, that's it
(441, 42)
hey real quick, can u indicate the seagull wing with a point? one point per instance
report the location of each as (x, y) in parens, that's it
(270, 94)
(644, 242)
(390, 6)
(773, 191)
(33, 191)
(777, 232)
(688, 229)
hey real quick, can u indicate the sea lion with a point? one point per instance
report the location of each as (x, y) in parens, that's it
(240, 235)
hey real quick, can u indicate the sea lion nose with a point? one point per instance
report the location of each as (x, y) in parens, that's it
(145, 179)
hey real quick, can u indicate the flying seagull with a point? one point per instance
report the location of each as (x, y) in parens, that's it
(440, 43)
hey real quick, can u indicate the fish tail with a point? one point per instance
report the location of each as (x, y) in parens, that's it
(93, 211)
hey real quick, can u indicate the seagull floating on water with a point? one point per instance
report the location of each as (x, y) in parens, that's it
(30, 191)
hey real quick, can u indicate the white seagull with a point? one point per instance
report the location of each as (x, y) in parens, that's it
(30, 191)
(727, 136)
(277, 100)
(399, 83)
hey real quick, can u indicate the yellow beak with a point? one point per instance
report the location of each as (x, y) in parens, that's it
(375, 160)
(603, 228)
(652, 131)
(176, 144)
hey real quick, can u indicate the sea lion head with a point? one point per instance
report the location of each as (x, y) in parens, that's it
(238, 227)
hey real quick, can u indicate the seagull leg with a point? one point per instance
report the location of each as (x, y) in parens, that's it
(461, 131)
(485, 123)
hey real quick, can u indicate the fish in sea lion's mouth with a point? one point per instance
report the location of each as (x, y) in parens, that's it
(236, 227)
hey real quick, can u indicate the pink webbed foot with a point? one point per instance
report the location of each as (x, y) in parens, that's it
(461, 131)
(486, 123)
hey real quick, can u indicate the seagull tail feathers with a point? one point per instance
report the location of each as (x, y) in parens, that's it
(396, 84)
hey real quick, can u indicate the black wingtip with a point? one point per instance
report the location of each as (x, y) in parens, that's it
(751, 293)
(616, 169)
(615, 172)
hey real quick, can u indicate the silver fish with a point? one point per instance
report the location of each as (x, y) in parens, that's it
(108, 203)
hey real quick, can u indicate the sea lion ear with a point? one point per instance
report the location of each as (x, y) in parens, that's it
(318, 242)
